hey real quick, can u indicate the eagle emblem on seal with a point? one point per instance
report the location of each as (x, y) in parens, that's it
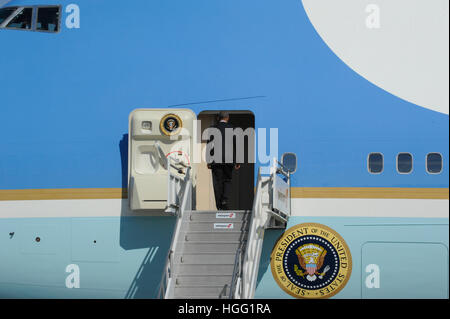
(311, 258)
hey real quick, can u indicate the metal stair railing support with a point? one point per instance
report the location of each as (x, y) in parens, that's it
(247, 270)
(250, 265)
(167, 283)
(236, 280)
(175, 184)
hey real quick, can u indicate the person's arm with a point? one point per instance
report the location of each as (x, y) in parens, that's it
(208, 154)
(236, 165)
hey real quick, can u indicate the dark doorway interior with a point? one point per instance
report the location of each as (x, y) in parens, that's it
(243, 179)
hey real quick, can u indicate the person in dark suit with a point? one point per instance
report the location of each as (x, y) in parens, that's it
(222, 167)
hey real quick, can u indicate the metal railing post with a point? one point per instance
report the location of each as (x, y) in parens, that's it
(177, 201)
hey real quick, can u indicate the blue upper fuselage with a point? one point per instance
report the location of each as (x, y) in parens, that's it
(65, 97)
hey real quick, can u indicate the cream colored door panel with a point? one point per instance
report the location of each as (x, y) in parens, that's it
(154, 133)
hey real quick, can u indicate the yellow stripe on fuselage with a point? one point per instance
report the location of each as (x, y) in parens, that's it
(63, 193)
(296, 192)
(369, 192)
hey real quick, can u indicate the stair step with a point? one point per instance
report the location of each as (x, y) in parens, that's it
(211, 247)
(203, 269)
(205, 258)
(213, 236)
(203, 280)
(196, 291)
(220, 216)
(221, 226)
(217, 211)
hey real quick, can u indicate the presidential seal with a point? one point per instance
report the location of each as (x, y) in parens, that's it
(311, 261)
(170, 124)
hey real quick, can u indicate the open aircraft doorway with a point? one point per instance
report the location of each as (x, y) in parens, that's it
(243, 179)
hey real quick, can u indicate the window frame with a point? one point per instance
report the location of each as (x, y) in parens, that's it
(11, 16)
(36, 14)
(442, 163)
(34, 17)
(412, 163)
(382, 165)
(14, 15)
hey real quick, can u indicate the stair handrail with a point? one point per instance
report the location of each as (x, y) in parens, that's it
(258, 223)
(254, 244)
(175, 184)
(167, 281)
(236, 282)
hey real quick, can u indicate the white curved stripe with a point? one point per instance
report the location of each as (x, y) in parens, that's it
(360, 207)
(408, 55)
(319, 207)
(67, 208)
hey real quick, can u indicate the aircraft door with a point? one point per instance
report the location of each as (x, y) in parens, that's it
(243, 179)
(155, 135)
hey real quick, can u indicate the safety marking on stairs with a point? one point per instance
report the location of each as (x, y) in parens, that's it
(225, 215)
(223, 225)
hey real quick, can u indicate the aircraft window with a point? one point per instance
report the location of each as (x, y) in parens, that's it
(404, 163)
(375, 163)
(434, 163)
(5, 13)
(48, 19)
(21, 20)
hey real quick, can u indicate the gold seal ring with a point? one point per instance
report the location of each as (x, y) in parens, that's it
(170, 124)
(311, 261)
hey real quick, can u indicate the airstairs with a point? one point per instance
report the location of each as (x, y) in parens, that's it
(216, 254)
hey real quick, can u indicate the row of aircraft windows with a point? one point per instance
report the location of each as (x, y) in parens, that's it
(42, 18)
(434, 163)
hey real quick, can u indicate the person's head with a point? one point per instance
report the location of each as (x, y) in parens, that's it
(224, 116)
